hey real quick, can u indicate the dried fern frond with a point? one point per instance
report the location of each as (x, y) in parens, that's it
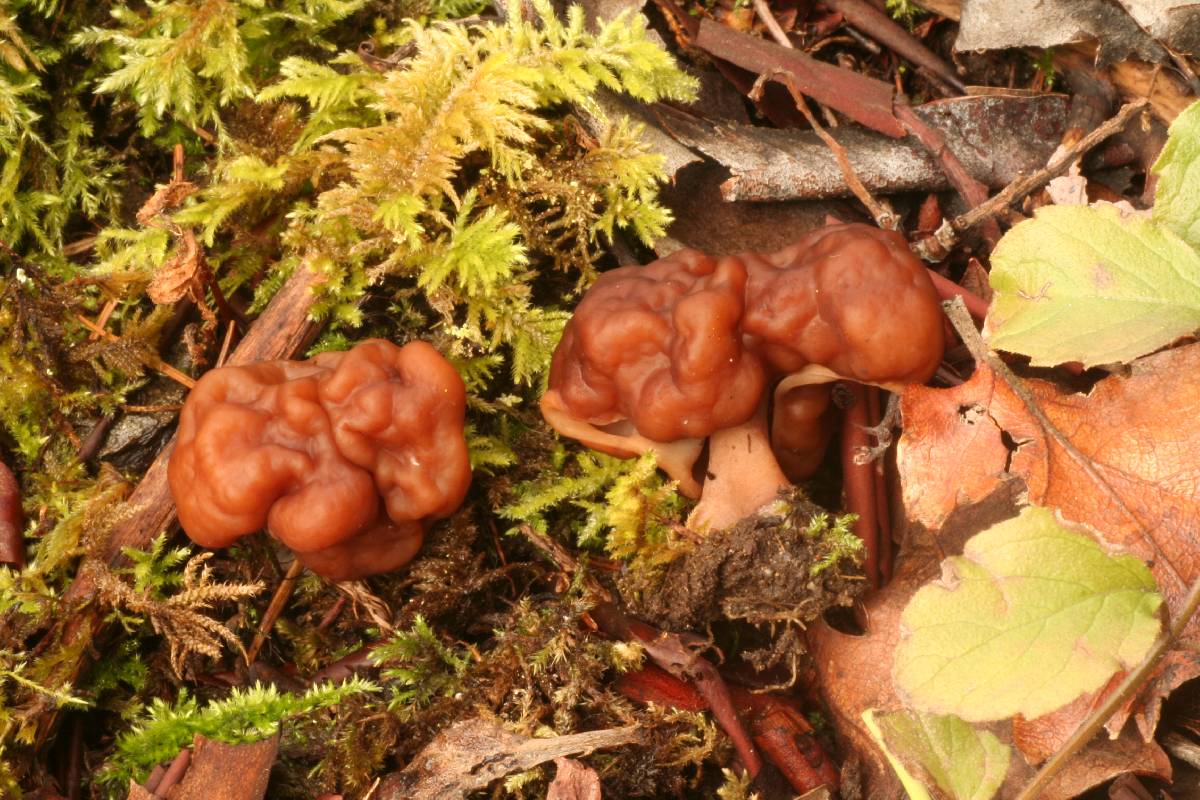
(179, 618)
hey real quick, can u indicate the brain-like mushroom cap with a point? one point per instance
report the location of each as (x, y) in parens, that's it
(660, 346)
(661, 356)
(310, 448)
(850, 298)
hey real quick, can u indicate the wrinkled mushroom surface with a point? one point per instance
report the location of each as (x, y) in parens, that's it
(655, 355)
(346, 458)
(684, 348)
(851, 299)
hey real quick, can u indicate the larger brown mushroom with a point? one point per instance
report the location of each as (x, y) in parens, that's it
(345, 458)
(660, 356)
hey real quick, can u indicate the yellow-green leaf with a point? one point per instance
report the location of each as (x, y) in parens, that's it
(1092, 284)
(964, 763)
(1177, 198)
(1028, 618)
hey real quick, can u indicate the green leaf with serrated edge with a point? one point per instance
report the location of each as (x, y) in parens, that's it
(965, 763)
(911, 785)
(1028, 618)
(1177, 198)
(1091, 284)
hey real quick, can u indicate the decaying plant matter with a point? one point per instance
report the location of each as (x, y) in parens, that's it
(233, 233)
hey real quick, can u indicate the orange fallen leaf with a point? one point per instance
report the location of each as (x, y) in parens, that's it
(856, 671)
(1123, 459)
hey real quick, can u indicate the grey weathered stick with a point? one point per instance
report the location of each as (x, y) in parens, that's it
(999, 137)
(471, 754)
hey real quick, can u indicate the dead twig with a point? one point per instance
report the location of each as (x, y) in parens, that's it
(948, 234)
(884, 218)
(278, 601)
(773, 27)
(1124, 693)
(154, 362)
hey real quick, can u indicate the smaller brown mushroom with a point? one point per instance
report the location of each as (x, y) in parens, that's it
(345, 458)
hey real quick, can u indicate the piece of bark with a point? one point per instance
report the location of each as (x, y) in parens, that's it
(872, 21)
(137, 792)
(12, 520)
(1003, 24)
(998, 138)
(573, 781)
(865, 100)
(472, 753)
(222, 771)
(282, 330)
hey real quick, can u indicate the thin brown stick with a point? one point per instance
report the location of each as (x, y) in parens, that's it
(947, 235)
(1125, 692)
(225, 344)
(883, 217)
(160, 408)
(152, 361)
(103, 318)
(278, 602)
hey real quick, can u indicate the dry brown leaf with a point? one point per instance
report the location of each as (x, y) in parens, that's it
(855, 672)
(573, 781)
(1125, 460)
(220, 771)
(182, 274)
(167, 197)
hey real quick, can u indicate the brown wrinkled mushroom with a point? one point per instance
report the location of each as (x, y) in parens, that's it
(658, 357)
(654, 359)
(346, 458)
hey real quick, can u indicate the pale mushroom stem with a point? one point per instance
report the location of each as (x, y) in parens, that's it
(743, 475)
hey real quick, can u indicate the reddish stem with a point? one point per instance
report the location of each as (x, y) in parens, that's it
(859, 479)
(883, 514)
(948, 290)
(174, 773)
(12, 520)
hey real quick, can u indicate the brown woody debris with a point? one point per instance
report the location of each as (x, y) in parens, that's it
(473, 753)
